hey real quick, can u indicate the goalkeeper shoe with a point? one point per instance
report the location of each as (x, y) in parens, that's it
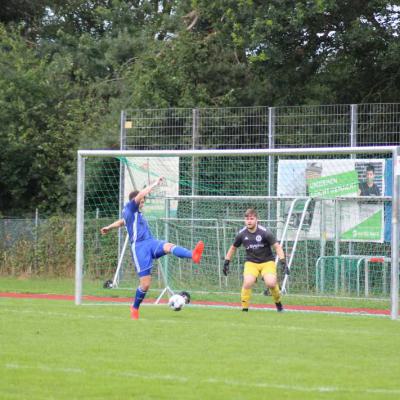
(197, 252)
(245, 309)
(134, 313)
(279, 307)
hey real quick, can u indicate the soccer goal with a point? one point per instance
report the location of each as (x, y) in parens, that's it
(339, 240)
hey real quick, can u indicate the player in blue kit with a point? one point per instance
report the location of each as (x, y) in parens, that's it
(144, 247)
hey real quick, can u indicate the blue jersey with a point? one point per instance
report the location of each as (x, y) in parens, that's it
(144, 247)
(135, 223)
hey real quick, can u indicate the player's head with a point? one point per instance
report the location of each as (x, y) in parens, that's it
(251, 218)
(132, 196)
(370, 173)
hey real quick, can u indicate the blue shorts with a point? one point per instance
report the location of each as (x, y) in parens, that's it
(144, 252)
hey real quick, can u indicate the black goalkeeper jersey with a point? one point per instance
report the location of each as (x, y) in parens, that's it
(257, 244)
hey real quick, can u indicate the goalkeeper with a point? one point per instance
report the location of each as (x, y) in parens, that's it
(144, 247)
(258, 242)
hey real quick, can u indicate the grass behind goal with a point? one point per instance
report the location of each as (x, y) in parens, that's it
(55, 350)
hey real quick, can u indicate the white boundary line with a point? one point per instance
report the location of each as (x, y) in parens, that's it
(63, 314)
(252, 309)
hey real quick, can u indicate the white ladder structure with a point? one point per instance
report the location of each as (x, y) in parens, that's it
(284, 240)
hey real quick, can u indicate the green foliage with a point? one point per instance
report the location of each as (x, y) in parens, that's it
(67, 68)
(49, 251)
(28, 14)
(43, 116)
(30, 149)
(186, 73)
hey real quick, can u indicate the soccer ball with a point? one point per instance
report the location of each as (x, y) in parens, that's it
(108, 284)
(186, 296)
(176, 302)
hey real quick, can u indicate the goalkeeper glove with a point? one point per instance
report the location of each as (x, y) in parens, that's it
(284, 266)
(225, 270)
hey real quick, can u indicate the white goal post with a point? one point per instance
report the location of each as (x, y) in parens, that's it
(392, 152)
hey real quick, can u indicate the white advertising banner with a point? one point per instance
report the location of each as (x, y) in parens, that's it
(359, 221)
(140, 172)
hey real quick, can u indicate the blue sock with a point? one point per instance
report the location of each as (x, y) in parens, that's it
(139, 296)
(181, 252)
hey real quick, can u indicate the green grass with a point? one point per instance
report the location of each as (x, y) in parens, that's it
(37, 285)
(55, 350)
(66, 286)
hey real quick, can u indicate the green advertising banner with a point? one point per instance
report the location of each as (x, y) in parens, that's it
(334, 185)
(370, 229)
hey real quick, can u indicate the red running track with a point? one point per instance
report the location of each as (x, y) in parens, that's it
(324, 309)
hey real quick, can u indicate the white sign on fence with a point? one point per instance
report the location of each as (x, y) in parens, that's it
(141, 171)
(359, 221)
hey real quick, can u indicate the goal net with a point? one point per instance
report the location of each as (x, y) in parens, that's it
(330, 209)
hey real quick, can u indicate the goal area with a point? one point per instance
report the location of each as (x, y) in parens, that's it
(334, 210)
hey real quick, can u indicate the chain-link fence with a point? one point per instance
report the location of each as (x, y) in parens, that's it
(37, 246)
(261, 127)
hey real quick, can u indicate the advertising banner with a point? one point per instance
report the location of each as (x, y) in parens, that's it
(329, 179)
(140, 172)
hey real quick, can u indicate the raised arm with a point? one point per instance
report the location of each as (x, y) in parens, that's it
(116, 224)
(144, 192)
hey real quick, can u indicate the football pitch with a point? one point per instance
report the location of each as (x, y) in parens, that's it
(56, 350)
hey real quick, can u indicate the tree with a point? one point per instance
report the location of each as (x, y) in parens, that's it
(42, 118)
(69, 67)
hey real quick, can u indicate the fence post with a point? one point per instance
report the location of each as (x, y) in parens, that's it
(36, 263)
(353, 142)
(218, 254)
(353, 126)
(97, 240)
(337, 223)
(322, 245)
(271, 160)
